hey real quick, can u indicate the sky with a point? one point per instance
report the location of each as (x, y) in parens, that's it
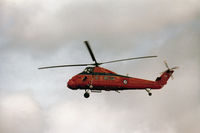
(36, 33)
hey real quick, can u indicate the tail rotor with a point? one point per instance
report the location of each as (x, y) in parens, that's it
(170, 69)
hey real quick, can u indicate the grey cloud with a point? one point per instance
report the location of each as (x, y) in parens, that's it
(37, 25)
(37, 33)
(20, 114)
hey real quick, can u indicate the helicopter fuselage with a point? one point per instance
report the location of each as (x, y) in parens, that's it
(98, 78)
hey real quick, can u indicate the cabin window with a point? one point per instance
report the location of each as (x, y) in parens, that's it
(109, 78)
(96, 77)
(106, 78)
(112, 78)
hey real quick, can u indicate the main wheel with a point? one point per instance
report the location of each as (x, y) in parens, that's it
(150, 94)
(86, 95)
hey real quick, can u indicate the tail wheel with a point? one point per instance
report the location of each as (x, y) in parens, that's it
(86, 95)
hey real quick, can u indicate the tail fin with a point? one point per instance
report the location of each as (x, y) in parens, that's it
(162, 80)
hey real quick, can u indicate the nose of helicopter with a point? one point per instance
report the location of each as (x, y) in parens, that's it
(71, 84)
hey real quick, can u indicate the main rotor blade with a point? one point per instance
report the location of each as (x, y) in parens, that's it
(90, 51)
(127, 59)
(65, 66)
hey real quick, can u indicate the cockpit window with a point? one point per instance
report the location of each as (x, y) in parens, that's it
(88, 70)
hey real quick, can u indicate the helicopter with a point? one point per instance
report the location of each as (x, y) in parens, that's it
(96, 79)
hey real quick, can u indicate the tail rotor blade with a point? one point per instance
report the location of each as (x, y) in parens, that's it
(165, 62)
(176, 67)
(172, 77)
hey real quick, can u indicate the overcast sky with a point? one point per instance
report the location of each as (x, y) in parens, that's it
(35, 33)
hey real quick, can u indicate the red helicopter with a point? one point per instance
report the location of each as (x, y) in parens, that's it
(96, 79)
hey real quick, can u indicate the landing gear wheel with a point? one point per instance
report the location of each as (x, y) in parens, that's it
(149, 91)
(87, 95)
